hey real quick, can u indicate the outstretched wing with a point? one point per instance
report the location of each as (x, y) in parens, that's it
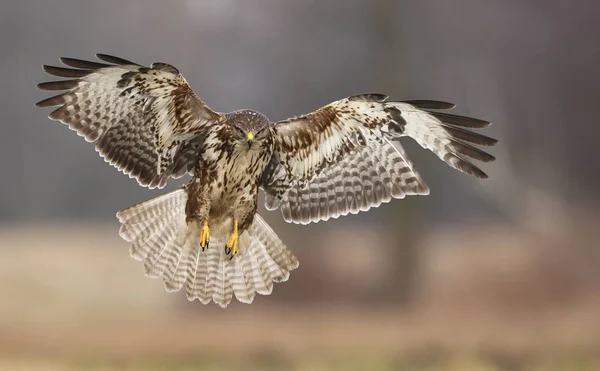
(343, 158)
(145, 121)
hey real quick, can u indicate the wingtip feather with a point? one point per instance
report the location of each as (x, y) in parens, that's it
(430, 104)
(56, 100)
(463, 121)
(65, 72)
(80, 63)
(112, 59)
(58, 85)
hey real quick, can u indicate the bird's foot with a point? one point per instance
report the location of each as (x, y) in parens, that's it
(232, 244)
(204, 235)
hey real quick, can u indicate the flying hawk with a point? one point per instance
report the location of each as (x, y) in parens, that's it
(207, 236)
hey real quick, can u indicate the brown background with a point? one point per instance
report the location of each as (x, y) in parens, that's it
(500, 274)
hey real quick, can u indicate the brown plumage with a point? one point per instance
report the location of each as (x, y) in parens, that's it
(207, 236)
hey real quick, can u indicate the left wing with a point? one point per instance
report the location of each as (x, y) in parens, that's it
(145, 121)
(340, 158)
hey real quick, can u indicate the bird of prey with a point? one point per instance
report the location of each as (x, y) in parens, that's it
(207, 237)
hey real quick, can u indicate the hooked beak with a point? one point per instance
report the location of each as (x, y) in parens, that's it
(249, 139)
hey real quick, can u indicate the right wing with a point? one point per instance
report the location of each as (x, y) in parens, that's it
(341, 158)
(147, 122)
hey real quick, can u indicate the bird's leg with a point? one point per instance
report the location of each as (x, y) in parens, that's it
(204, 235)
(233, 242)
(243, 215)
(197, 209)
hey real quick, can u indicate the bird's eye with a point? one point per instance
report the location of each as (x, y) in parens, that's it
(241, 131)
(259, 131)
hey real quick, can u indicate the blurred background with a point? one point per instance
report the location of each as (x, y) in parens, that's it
(501, 274)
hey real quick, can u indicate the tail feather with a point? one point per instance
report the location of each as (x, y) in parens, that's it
(147, 243)
(277, 273)
(218, 284)
(261, 280)
(162, 243)
(178, 278)
(243, 285)
(201, 280)
(153, 208)
(213, 256)
(144, 245)
(224, 291)
(171, 251)
(275, 248)
(172, 261)
(247, 270)
(244, 290)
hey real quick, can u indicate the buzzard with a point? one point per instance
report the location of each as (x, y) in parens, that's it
(207, 237)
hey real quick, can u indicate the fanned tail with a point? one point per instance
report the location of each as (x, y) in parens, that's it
(170, 249)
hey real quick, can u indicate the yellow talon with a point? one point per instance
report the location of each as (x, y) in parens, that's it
(233, 242)
(204, 235)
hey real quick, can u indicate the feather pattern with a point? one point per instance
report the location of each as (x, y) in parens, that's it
(368, 176)
(170, 250)
(141, 119)
(340, 158)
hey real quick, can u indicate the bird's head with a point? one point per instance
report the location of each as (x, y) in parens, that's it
(251, 128)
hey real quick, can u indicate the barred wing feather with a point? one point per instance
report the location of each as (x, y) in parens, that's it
(145, 121)
(345, 157)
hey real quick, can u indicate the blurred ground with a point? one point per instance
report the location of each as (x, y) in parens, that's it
(500, 274)
(77, 301)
